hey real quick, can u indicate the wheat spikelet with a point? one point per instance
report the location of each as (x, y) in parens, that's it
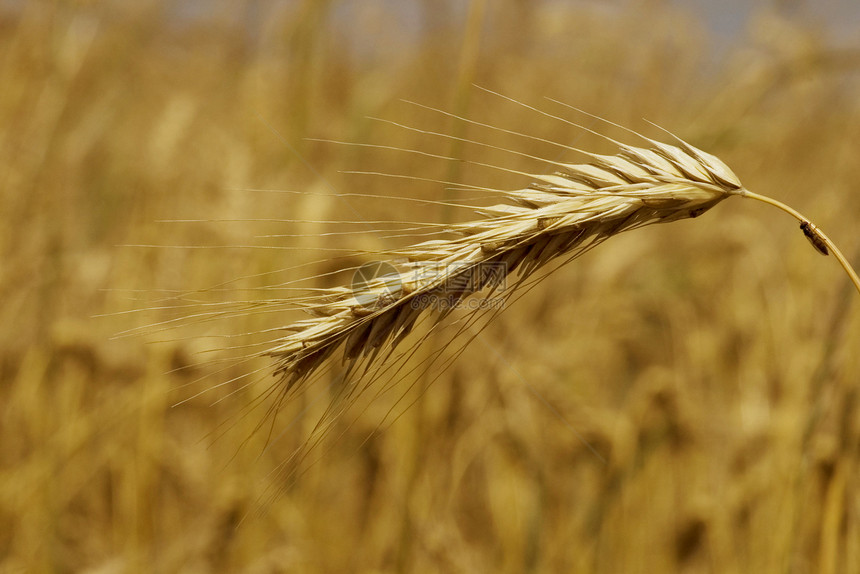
(563, 213)
(558, 217)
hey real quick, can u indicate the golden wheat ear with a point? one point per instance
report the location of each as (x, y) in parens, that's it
(561, 213)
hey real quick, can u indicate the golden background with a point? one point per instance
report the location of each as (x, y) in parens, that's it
(681, 399)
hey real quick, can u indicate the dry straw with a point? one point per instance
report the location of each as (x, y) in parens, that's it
(561, 214)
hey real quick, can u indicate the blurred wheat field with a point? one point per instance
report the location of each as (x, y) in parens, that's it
(683, 398)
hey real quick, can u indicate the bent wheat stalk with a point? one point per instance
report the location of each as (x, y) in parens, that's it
(563, 213)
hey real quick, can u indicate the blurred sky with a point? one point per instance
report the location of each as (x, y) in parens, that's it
(727, 21)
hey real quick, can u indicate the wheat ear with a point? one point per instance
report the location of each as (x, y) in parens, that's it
(564, 213)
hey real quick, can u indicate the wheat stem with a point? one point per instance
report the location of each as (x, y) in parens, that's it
(817, 233)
